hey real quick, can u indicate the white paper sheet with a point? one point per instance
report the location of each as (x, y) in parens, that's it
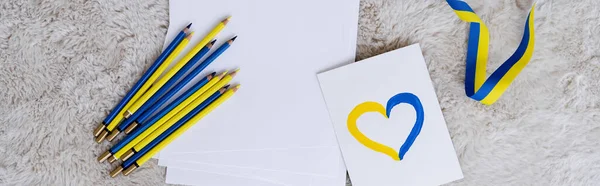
(196, 177)
(278, 159)
(280, 48)
(431, 160)
(174, 176)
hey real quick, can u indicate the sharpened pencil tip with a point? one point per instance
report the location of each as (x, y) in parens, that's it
(233, 39)
(223, 74)
(236, 88)
(210, 76)
(211, 44)
(189, 36)
(189, 25)
(223, 89)
(232, 74)
(236, 71)
(226, 20)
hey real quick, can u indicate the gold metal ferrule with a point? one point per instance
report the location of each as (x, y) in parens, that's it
(129, 170)
(130, 127)
(127, 114)
(112, 159)
(116, 171)
(101, 136)
(99, 129)
(127, 155)
(104, 156)
(113, 135)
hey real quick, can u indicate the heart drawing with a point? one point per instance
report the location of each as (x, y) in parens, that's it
(370, 106)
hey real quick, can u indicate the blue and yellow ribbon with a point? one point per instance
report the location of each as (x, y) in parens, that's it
(487, 91)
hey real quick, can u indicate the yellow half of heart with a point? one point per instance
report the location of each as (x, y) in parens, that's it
(358, 111)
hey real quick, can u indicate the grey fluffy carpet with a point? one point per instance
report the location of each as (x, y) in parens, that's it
(65, 63)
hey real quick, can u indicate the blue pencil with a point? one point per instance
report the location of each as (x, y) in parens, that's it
(143, 79)
(125, 125)
(145, 124)
(135, 119)
(191, 114)
(162, 90)
(212, 57)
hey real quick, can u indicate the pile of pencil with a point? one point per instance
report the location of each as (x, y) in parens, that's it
(148, 129)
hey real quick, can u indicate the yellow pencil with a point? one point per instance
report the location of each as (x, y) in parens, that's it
(167, 116)
(181, 130)
(157, 85)
(176, 68)
(120, 153)
(141, 144)
(145, 86)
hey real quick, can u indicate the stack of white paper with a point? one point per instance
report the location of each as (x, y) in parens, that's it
(275, 130)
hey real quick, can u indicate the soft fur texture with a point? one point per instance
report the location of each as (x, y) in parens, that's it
(65, 63)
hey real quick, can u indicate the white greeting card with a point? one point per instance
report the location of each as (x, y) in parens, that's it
(388, 121)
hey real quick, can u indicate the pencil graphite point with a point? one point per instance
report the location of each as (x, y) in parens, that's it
(233, 38)
(189, 36)
(223, 73)
(236, 88)
(232, 74)
(189, 25)
(211, 44)
(226, 20)
(223, 89)
(211, 75)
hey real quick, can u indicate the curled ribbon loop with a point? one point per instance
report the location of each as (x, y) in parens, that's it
(487, 91)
